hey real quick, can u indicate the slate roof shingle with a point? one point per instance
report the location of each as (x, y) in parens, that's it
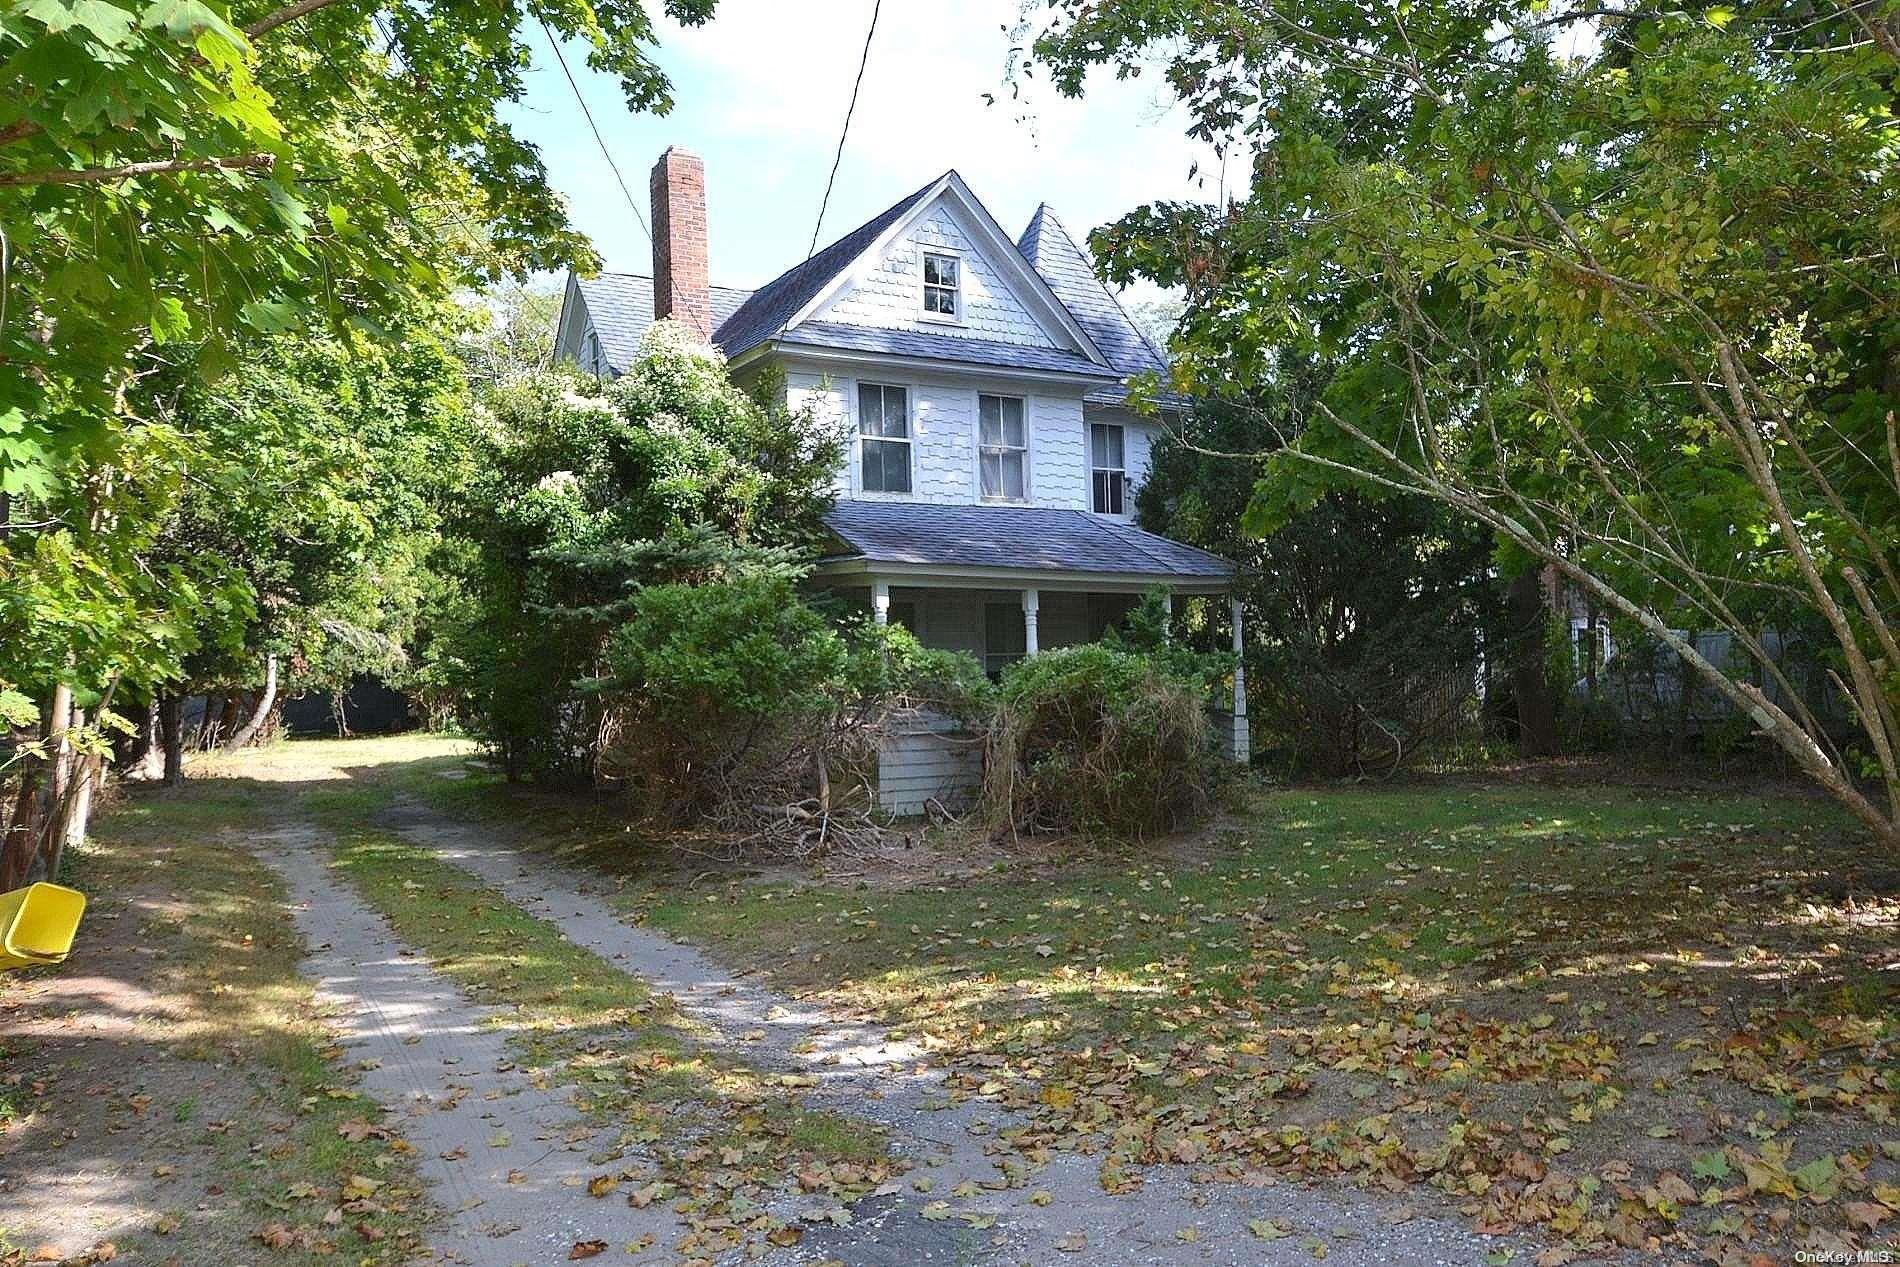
(621, 305)
(1050, 250)
(776, 302)
(1032, 538)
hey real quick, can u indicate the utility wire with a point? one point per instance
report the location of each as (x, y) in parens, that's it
(595, 128)
(845, 131)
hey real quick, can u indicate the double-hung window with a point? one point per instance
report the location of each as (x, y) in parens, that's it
(1002, 448)
(940, 284)
(883, 438)
(1108, 468)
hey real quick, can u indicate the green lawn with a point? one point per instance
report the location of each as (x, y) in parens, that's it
(1624, 1016)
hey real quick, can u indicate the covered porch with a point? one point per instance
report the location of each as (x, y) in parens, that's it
(1001, 583)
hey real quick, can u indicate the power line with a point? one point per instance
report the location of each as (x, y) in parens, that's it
(845, 131)
(595, 129)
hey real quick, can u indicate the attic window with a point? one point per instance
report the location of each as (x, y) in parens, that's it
(940, 284)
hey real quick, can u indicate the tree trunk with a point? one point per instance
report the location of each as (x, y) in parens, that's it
(1530, 675)
(16, 852)
(59, 719)
(215, 720)
(171, 729)
(260, 714)
(73, 811)
(147, 760)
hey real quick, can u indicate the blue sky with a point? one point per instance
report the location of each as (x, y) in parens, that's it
(761, 92)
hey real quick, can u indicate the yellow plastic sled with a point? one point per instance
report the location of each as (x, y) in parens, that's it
(37, 924)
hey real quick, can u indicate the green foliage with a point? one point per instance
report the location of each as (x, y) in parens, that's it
(317, 479)
(1366, 611)
(187, 188)
(723, 655)
(888, 664)
(701, 675)
(1626, 306)
(335, 166)
(1152, 631)
(1102, 741)
(584, 498)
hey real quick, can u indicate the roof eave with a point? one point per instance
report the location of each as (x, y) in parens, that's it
(858, 356)
(972, 576)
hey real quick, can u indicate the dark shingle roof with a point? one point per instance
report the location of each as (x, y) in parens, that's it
(776, 302)
(1053, 253)
(943, 347)
(621, 305)
(1029, 537)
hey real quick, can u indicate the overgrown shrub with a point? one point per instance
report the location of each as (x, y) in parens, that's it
(707, 680)
(586, 500)
(1100, 740)
(734, 699)
(891, 670)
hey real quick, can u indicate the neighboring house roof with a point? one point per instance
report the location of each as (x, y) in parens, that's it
(1047, 246)
(942, 347)
(621, 305)
(1030, 538)
(769, 307)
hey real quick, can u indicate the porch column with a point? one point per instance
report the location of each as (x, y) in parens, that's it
(881, 602)
(1167, 614)
(1243, 740)
(1032, 603)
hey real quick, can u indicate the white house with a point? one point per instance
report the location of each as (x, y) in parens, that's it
(987, 501)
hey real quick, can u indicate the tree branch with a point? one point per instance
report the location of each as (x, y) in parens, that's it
(289, 13)
(106, 175)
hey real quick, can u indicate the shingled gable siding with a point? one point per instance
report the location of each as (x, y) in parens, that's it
(890, 296)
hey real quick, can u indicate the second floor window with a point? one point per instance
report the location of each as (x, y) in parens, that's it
(940, 284)
(884, 438)
(1109, 469)
(1003, 448)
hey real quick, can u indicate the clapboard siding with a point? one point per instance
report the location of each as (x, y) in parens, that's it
(923, 757)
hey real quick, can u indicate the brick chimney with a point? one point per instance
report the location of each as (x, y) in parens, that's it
(681, 288)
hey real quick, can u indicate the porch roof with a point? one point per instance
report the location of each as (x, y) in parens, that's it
(916, 536)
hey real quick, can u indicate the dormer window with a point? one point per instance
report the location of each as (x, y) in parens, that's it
(941, 273)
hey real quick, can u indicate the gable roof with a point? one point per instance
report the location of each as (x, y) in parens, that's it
(621, 307)
(769, 307)
(1046, 261)
(1047, 246)
(1032, 538)
(796, 300)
